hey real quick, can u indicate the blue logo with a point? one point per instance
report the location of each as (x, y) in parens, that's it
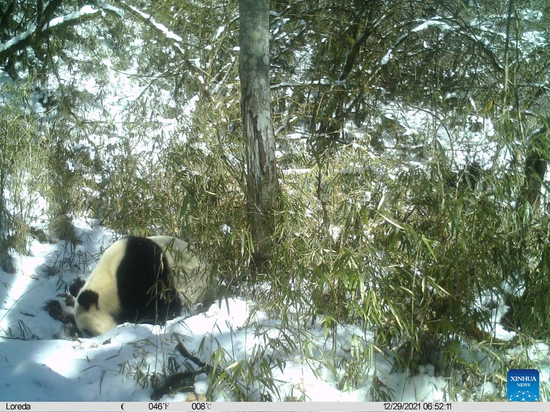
(523, 385)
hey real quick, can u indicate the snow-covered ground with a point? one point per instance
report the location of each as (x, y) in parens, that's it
(40, 361)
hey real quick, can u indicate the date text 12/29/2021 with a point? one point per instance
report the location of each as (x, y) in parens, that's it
(418, 406)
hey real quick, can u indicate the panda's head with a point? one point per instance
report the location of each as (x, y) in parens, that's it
(89, 317)
(97, 307)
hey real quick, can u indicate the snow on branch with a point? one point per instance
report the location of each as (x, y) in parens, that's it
(159, 26)
(432, 23)
(86, 12)
(14, 41)
(77, 15)
(174, 39)
(107, 7)
(321, 82)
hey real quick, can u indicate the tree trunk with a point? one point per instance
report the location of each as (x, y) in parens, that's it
(262, 183)
(536, 164)
(507, 57)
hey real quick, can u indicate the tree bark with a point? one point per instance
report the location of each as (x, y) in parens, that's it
(262, 182)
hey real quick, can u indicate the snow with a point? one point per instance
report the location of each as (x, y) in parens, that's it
(110, 8)
(84, 11)
(16, 39)
(219, 32)
(161, 27)
(463, 144)
(534, 39)
(387, 57)
(431, 23)
(40, 362)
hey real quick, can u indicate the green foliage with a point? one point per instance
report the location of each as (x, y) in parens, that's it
(20, 158)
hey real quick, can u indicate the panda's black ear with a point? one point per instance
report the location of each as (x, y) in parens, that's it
(76, 285)
(88, 298)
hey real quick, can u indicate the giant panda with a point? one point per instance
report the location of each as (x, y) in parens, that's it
(140, 280)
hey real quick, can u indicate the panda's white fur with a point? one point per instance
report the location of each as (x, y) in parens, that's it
(100, 305)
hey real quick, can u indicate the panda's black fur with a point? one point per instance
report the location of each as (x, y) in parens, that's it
(134, 282)
(142, 276)
(76, 285)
